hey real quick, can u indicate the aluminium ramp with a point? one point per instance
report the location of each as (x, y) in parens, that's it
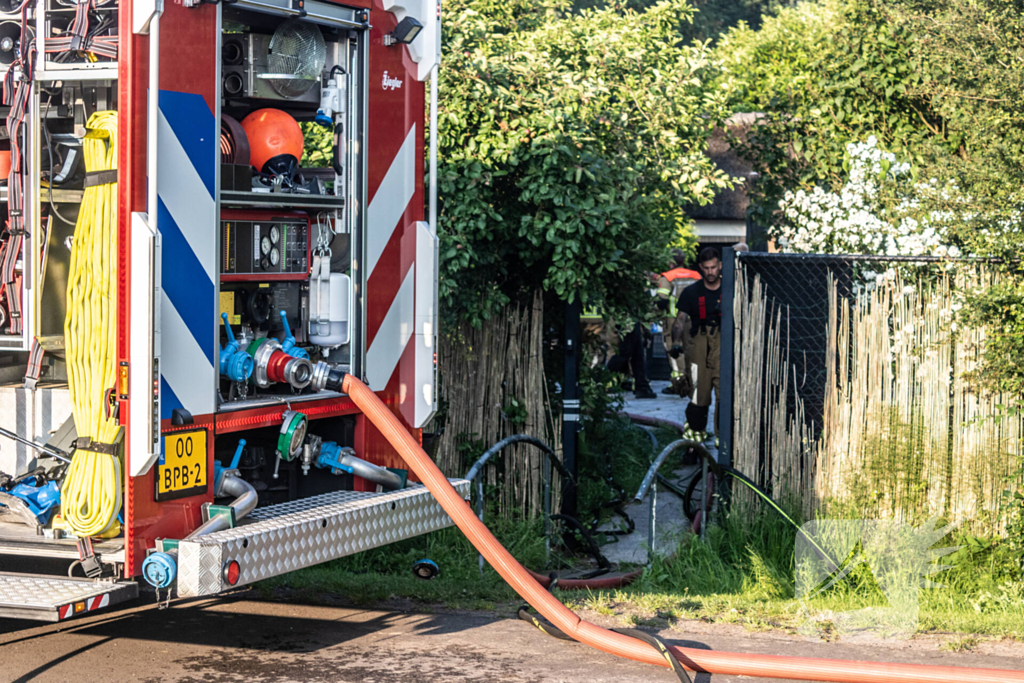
(54, 598)
(278, 539)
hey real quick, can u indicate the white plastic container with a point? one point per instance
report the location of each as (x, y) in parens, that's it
(328, 306)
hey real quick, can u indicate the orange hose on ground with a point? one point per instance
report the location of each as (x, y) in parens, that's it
(597, 584)
(742, 664)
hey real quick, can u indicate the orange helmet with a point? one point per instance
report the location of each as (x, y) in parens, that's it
(271, 133)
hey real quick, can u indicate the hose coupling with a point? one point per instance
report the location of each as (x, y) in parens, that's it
(159, 569)
(236, 365)
(273, 365)
(327, 376)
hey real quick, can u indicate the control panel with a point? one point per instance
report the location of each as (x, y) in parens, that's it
(264, 247)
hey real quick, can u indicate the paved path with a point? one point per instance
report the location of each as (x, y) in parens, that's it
(671, 524)
(242, 640)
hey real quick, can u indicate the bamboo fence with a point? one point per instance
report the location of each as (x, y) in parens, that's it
(492, 380)
(904, 435)
(771, 443)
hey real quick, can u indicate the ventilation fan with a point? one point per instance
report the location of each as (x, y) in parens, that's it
(295, 59)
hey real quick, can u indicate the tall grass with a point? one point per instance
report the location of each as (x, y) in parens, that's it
(744, 572)
(905, 435)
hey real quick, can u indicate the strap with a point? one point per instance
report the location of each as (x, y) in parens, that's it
(658, 645)
(94, 178)
(85, 443)
(35, 365)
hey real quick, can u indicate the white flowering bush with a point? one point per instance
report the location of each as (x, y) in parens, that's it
(877, 211)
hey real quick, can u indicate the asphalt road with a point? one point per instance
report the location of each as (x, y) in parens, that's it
(242, 639)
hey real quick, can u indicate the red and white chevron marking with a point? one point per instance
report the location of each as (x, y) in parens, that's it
(401, 249)
(83, 606)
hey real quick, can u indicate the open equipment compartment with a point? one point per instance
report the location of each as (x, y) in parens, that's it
(219, 418)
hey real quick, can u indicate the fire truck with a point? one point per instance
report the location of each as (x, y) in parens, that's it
(183, 291)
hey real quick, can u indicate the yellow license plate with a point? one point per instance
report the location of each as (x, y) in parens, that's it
(183, 470)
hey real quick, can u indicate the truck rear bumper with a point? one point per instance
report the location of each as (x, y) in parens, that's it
(55, 598)
(281, 538)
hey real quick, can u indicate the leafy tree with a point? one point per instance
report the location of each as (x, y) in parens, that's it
(712, 17)
(937, 82)
(569, 146)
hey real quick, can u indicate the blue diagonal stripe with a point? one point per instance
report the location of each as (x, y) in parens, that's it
(186, 283)
(196, 129)
(168, 401)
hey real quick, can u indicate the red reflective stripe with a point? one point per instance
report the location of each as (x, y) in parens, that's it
(66, 610)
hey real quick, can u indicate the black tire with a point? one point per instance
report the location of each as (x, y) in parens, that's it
(694, 490)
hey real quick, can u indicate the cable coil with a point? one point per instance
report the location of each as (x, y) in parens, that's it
(91, 497)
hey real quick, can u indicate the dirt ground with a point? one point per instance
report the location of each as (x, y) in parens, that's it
(244, 639)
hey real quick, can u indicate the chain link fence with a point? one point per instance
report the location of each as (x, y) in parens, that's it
(799, 286)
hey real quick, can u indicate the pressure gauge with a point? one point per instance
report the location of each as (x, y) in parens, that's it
(275, 257)
(265, 245)
(275, 234)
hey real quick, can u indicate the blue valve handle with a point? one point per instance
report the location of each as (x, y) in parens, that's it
(329, 453)
(288, 345)
(231, 334)
(238, 455)
(238, 367)
(219, 470)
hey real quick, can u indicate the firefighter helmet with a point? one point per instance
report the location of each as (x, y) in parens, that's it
(272, 133)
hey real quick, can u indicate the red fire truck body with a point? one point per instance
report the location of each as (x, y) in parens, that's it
(244, 290)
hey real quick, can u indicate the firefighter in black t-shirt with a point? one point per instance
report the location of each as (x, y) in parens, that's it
(702, 302)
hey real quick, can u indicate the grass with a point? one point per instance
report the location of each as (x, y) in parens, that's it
(385, 573)
(965, 644)
(742, 573)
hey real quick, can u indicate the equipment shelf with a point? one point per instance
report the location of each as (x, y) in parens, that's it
(258, 414)
(280, 200)
(18, 539)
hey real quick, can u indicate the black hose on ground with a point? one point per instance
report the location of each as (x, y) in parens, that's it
(658, 645)
(546, 627)
(592, 546)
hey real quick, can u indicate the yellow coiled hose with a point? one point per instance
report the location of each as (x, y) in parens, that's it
(91, 497)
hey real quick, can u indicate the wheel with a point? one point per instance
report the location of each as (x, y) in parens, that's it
(695, 491)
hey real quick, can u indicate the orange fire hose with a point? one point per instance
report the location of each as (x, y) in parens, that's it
(742, 664)
(597, 584)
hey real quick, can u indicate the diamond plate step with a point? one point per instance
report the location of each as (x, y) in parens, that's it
(54, 598)
(281, 538)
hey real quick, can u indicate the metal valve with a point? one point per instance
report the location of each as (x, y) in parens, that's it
(274, 365)
(235, 364)
(288, 345)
